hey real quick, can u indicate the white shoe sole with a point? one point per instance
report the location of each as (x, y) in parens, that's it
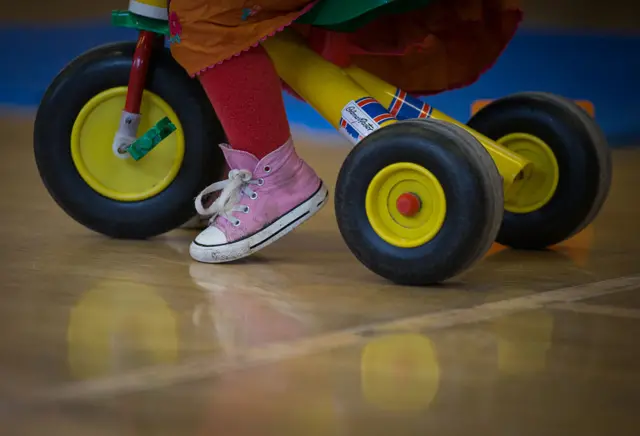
(267, 236)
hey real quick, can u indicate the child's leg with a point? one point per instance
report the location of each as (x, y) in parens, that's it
(251, 110)
(247, 95)
(270, 190)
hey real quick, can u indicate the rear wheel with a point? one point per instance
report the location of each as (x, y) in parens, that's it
(572, 166)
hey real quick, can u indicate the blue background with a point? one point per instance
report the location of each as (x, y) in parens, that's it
(602, 68)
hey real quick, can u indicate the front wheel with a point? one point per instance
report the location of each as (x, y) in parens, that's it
(419, 201)
(571, 160)
(108, 192)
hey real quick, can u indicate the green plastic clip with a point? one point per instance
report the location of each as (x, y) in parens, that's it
(152, 137)
(132, 21)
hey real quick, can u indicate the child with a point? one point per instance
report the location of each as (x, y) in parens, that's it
(270, 190)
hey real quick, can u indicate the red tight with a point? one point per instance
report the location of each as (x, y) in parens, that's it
(246, 94)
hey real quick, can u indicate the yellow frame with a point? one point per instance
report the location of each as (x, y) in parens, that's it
(329, 88)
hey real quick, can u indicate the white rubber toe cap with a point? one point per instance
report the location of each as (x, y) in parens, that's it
(211, 236)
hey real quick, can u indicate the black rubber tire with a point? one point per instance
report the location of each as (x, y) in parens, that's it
(584, 161)
(100, 69)
(472, 186)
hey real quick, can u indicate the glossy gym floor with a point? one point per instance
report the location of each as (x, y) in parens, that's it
(113, 338)
(103, 337)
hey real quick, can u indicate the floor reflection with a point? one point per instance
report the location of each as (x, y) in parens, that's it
(119, 326)
(400, 372)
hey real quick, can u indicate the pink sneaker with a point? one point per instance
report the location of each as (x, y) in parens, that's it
(260, 202)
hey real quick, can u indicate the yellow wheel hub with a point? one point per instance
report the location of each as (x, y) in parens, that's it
(112, 176)
(538, 190)
(385, 194)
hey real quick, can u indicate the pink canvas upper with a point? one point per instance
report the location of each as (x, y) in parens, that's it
(288, 182)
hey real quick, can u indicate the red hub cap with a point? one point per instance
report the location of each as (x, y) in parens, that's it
(408, 204)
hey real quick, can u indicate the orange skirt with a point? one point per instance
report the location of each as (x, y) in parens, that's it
(443, 46)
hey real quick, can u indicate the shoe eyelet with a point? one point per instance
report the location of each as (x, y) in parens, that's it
(260, 182)
(254, 196)
(246, 209)
(237, 223)
(267, 169)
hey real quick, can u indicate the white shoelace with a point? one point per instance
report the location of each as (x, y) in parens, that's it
(232, 189)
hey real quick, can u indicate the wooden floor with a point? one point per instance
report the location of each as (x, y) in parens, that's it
(104, 337)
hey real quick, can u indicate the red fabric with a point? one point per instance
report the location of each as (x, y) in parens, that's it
(443, 46)
(467, 50)
(246, 94)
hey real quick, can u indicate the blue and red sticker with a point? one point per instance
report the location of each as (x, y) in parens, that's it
(362, 117)
(407, 107)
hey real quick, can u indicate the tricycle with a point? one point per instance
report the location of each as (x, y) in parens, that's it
(125, 139)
